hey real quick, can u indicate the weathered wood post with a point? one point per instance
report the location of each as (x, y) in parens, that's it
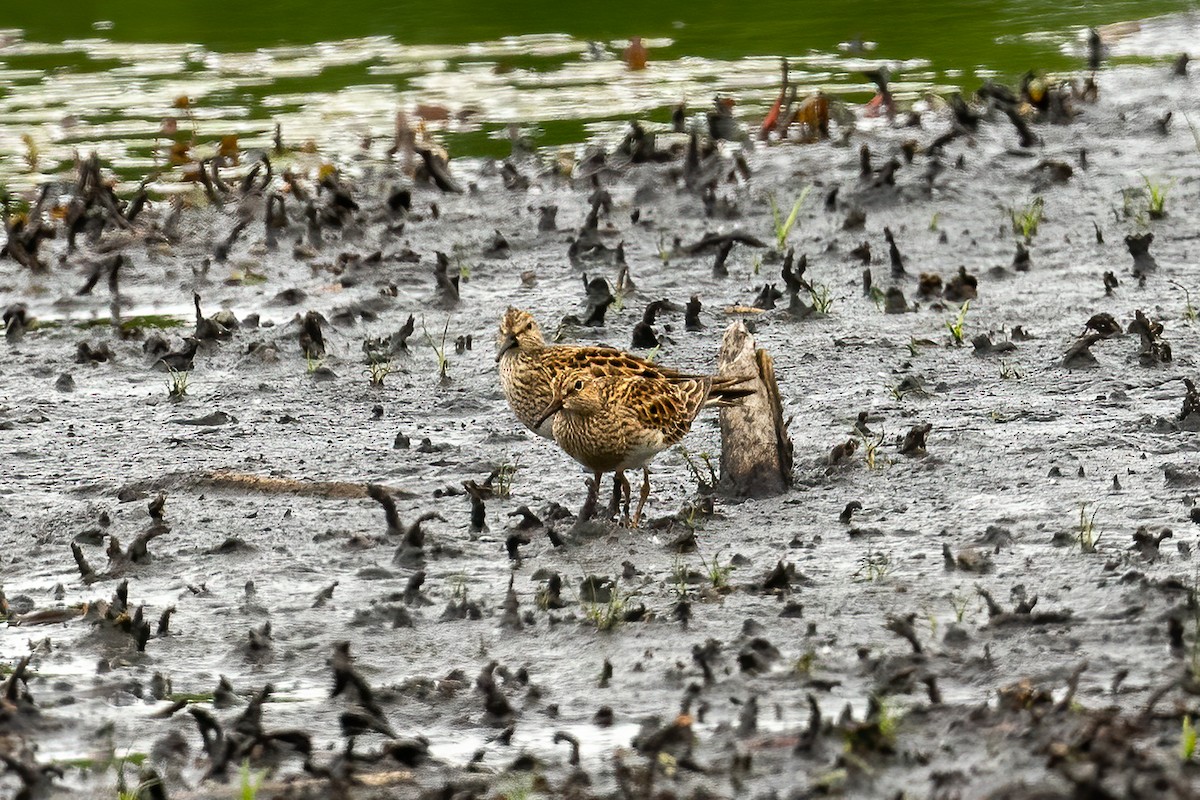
(756, 451)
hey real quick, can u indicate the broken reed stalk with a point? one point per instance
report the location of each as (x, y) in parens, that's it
(756, 452)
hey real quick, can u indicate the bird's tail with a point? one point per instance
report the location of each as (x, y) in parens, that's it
(729, 390)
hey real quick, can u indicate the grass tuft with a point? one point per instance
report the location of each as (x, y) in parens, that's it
(783, 227)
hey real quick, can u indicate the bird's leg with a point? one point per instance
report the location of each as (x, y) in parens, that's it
(637, 517)
(593, 497)
(614, 505)
(625, 492)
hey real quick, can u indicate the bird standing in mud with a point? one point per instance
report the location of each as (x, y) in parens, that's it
(529, 367)
(530, 370)
(612, 423)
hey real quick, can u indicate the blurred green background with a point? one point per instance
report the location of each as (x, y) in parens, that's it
(959, 34)
(111, 91)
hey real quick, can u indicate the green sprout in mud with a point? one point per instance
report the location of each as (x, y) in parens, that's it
(959, 603)
(608, 615)
(933, 222)
(705, 483)
(312, 364)
(142, 789)
(652, 353)
(618, 299)
(1026, 219)
(250, 782)
(664, 251)
(135, 324)
(376, 371)
(806, 662)
(879, 729)
(516, 788)
(1156, 196)
(875, 566)
(878, 297)
(1009, 371)
(783, 227)
(177, 383)
(717, 573)
(1086, 535)
(958, 326)
(889, 719)
(541, 598)
(912, 347)
(458, 588)
(821, 301)
(871, 449)
(1189, 311)
(442, 359)
(503, 480)
(31, 152)
(756, 264)
(679, 578)
(1187, 739)
(694, 516)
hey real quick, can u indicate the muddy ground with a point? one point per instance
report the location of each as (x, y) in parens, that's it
(812, 655)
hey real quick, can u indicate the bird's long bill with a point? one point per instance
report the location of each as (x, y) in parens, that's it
(507, 343)
(555, 405)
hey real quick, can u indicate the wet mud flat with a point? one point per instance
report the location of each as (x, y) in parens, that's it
(232, 586)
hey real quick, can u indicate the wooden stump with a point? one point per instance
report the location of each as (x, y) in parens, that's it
(756, 452)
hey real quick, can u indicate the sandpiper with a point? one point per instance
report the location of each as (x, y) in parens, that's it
(612, 423)
(529, 367)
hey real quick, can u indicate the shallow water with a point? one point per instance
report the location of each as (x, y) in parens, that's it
(334, 78)
(1000, 426)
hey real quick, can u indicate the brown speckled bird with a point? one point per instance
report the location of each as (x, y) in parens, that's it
(529, 367)
(613, 423)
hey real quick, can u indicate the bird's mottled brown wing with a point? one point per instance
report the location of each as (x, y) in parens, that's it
(603, 362)
(657, 404)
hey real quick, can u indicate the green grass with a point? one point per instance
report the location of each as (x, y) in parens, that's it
(959, 603)
(821, 300)
(1086, 534)
(1187, 739)
(607, 616)
(871, 449)
(1189, 311)
(1010, 371)
(704, 482)
(889, 719)
(1026, 219)
(502, 486)
(1156, 196)
(874, 566)
(717, 573)
(376, 371)
(191, 697)
(783, 227)
(957, 328)
(442, 358)
(250, 782)
(177, 383)
(160, 322)
(805, 664)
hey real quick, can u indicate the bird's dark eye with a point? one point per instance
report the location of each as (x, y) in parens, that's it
(578, 386)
